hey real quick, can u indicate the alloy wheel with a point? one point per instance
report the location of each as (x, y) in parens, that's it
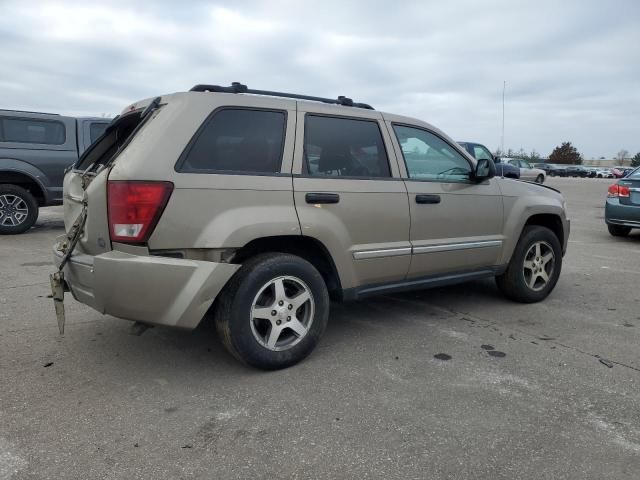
(282, 313)
(539, 264)
(13, 210)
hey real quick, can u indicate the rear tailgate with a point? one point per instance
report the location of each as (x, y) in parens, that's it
(85, 186)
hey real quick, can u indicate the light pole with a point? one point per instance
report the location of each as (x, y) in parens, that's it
(504, 87)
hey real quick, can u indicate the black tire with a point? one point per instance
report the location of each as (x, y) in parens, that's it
(512, 282)
(233, 311)
(540, 179)
(552, 174)
(9, 223)
(619, 230)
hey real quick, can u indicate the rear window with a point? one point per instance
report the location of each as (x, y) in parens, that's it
(96, 129)
(635, 174)
(237, 140)
(102, 152)
(26, 130)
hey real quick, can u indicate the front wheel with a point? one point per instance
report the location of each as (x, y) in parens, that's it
(619, 230)
(540, 178)
(18, 210)
(534, 268)
(272, 313)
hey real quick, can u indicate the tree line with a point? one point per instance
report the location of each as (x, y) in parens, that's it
(565, 154)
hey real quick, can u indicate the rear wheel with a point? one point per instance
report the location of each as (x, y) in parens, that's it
(272, 313)
(619, 230)
(534, 267)
(18, 210)
(540, 178)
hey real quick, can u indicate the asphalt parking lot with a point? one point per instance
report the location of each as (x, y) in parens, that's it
(549, 390)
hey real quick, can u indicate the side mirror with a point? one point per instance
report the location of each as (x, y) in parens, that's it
(485, 169)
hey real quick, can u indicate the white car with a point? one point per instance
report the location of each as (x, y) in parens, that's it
(604, 173)
(527, 172)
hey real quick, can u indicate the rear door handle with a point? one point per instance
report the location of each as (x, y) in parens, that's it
(322, 198)
(428, 199)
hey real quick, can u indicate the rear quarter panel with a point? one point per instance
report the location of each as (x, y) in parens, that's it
(210, 210)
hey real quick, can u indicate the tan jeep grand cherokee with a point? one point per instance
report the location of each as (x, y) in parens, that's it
(258, 206)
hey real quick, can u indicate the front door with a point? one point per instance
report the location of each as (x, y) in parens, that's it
(349, 195)
(456, 223)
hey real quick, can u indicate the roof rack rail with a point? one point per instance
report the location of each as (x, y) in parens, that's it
(237, 87)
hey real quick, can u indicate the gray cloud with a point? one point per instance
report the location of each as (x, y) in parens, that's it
(572, 68)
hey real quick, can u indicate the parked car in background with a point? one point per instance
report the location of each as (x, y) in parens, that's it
(604, 173)
(577, 171)
(35, 150)
(620, 172)
(527, 172)
(218, 197)
(622, 210)
(478, 151)
(551, 169)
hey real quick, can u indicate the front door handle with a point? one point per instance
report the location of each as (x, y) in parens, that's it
(322, 198)
(428, 199)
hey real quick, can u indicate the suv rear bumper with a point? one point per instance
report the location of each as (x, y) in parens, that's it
(149, 289)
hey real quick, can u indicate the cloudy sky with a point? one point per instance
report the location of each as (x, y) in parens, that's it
(572, 68)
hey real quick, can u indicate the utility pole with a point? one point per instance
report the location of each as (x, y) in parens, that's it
(504, 87)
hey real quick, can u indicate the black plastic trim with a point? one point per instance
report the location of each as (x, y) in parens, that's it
(431, 281)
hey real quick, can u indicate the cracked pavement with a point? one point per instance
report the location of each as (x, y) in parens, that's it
(521, 393)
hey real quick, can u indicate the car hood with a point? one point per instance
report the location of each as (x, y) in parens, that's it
(521, 188)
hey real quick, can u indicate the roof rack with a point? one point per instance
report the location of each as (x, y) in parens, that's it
(237, 87)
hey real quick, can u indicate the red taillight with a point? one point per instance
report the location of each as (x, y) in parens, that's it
(618, 191)
(134, 209)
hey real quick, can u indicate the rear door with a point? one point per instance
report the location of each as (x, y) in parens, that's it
(456, 223)
(349, 195)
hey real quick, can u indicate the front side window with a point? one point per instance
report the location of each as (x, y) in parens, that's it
(26, 130)
(344, 147)
(480, 152)
(238, 140)
(428, 157)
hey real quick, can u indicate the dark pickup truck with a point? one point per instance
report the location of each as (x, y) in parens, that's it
(35, 150)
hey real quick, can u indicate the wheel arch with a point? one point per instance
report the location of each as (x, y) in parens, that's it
(26, 181)
(550, 220)
(309, 248)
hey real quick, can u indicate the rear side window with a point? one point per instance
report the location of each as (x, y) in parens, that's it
(26, 130)
(237, 140)
(344, 147)
(96, 129)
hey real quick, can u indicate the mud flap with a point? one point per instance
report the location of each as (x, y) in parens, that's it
(57, 292)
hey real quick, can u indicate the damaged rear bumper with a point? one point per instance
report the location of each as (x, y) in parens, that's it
(149, 289)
